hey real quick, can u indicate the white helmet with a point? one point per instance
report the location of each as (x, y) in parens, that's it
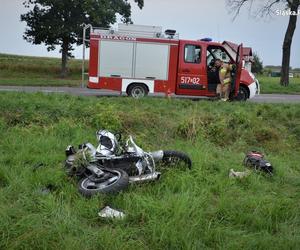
(107, 142)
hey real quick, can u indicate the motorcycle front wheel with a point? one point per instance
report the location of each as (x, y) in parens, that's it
(113, 181)
(176, 158)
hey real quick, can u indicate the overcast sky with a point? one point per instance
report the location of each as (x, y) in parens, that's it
(193, 19)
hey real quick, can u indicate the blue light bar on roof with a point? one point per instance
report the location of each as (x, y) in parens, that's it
(206, 39)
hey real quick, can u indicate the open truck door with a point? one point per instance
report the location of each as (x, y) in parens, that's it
(238, 73)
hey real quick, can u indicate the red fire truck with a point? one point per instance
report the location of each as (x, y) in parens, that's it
(140, 60)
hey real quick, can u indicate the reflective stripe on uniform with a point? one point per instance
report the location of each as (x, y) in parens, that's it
(223, 71)
(227, 80)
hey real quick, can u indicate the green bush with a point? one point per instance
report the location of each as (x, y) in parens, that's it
(106, 120)
(189, 129)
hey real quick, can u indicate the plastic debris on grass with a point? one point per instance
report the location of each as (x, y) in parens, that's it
(239, 175)
(109, 212)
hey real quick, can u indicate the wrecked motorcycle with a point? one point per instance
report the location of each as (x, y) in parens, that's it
(111, 166)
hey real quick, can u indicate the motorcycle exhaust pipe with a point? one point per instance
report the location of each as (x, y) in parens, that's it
(145, 178)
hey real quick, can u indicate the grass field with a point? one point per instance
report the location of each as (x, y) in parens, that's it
(197, 209)
(43, 71)
(271, 85)
(37, 71)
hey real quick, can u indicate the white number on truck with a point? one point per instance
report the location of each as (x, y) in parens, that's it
(190, 80)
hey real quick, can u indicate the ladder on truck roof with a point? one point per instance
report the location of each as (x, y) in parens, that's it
(137, 31)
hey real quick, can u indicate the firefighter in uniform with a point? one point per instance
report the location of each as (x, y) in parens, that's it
(223, 88)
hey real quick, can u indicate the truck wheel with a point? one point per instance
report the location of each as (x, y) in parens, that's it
(137, 91)
(242, 94)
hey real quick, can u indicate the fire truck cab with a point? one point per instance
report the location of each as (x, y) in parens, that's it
(139, 60)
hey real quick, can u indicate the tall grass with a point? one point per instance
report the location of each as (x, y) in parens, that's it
(197, 209)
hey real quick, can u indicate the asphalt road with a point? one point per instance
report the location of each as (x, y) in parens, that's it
(264, 98)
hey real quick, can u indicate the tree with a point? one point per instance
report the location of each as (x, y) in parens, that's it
(60, 22)
(267, 8)
(257, 66)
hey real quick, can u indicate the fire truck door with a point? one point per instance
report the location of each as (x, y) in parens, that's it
(239, 66)
(192, 78)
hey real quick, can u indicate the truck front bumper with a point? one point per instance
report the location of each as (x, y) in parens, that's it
(254, 89)
(257, 87)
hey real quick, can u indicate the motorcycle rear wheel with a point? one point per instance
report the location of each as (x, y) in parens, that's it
(115, 180)
(175, 158)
